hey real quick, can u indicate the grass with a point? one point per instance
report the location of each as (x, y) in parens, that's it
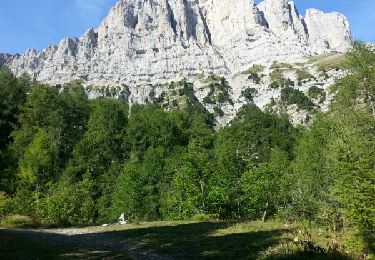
(254, 69)
(17, 221)
(212, 240)
(281, 65)
(212, 78)
(182, 240)
(330, 61)
(277, 75)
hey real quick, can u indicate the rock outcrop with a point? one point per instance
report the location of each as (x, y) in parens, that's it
(144, 42)
(328, 31)
(4, 57)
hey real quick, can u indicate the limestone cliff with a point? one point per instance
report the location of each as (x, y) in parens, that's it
(152, 42)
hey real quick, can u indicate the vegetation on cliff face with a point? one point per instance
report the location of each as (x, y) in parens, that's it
(65, 159)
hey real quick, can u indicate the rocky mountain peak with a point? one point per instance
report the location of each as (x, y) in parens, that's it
(148, 43)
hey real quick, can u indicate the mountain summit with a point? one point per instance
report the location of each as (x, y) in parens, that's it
(150, 40)
(144, 42)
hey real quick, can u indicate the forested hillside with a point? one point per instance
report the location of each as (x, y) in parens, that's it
(68, 160)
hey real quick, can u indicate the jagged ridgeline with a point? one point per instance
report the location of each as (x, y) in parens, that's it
(147, 44)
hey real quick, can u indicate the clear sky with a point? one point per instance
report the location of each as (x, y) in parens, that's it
(37, 23)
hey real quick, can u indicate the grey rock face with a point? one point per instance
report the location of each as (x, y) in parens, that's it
(328, 31)
(142, 41)
(4, 57)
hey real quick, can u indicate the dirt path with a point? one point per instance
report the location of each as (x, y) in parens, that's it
(84, 243)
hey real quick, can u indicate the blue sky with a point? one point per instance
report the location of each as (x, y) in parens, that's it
(37, 23)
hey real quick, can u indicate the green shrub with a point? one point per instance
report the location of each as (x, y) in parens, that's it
(317, 93)
(5, 202)
(218, 111)
(68, 203)
(219, 93)
(254, 73)
(294, 96)
(23, 202)
(249, 94)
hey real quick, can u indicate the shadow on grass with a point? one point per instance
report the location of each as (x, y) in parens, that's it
(184, 241)
(31, 244)
(198, 240)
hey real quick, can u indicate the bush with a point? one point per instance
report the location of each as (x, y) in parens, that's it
(317, 93)
(5, 202)
(68, 203)
(294, 96)
(218, 111)
(23, 202)
(249, 94)
(219, 93)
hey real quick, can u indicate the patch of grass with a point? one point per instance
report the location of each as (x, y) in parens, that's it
(233, 240)
(281, 65)
(330, 61)
(254, 73)
(216, 240)
(212, 78)
(254, 69)
(18, 221)
(202, 217)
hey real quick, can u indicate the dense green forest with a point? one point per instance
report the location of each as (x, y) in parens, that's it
(68, 160)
